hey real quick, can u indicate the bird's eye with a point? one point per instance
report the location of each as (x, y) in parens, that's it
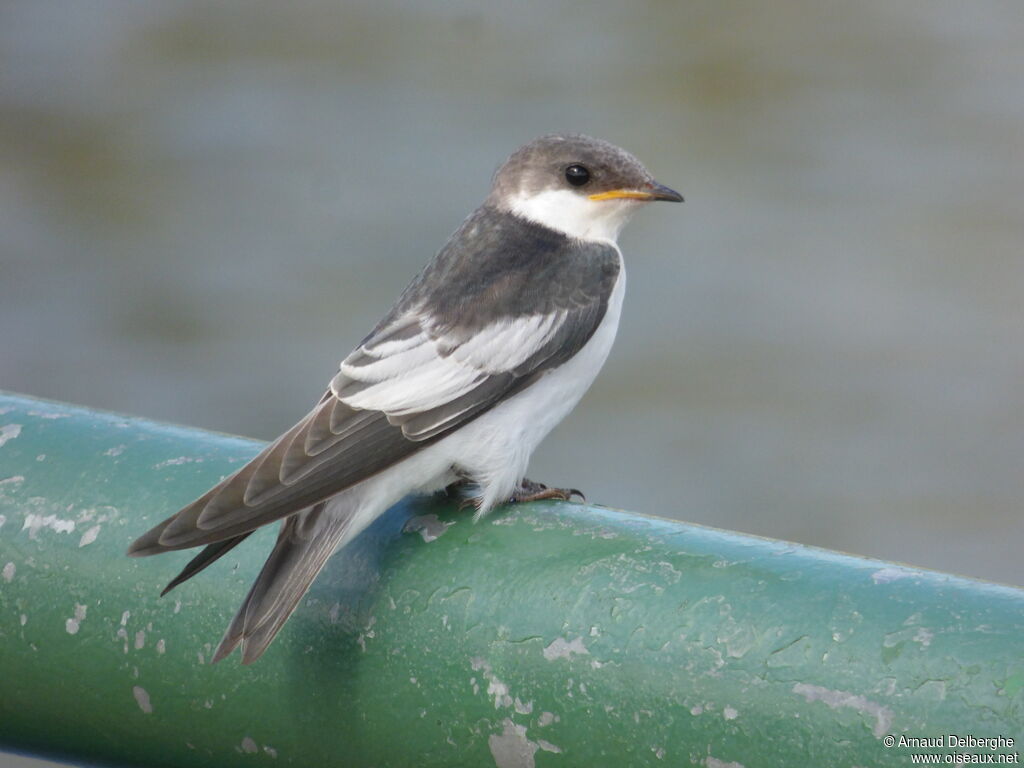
(577, 175)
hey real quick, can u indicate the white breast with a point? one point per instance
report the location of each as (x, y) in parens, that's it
(574, 214)
(496, 447)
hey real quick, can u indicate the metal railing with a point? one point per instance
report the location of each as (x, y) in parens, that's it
(547, 635)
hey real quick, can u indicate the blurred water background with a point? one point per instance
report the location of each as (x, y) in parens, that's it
(204, 206)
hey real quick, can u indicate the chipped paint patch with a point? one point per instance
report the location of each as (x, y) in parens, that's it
(3, 519)
(89, 536)
(9, 432)
(924, 637)
(523, 709)
(546, 718)
(730, 714)
(13, 480)
(35, 523)
(887, 575)
(142, 699)
(560, 648)
(140, 639)
(712, 762)
(270, 750)
(49, 415)
(73, 624)
(547, 746)
(177, 462)
(117, 450)
(249, 746)
(161, 646)
(430, 527)
(367, 634)
(838, 699)
(8, 572)
(511, 749)
(495, 687)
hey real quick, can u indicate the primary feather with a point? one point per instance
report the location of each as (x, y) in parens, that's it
(436, 390)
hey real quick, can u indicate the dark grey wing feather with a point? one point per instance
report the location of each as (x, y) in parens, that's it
(210, 554)
(279, 481)
(479, 324)
(304, 544)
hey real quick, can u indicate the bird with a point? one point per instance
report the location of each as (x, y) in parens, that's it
(489, 347)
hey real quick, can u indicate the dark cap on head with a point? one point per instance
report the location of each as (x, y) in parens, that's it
(577, 163)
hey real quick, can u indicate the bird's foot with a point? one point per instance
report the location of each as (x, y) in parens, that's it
(531, 491)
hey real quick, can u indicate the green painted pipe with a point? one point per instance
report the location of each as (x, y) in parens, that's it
(548, 635)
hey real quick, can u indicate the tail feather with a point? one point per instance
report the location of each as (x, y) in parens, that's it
(208, 556)
(303, 546)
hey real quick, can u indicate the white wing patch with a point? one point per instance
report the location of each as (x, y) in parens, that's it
(412, 375)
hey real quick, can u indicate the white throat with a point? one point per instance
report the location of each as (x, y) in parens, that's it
(573, 214)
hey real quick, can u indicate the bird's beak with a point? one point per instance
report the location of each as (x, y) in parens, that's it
(652, 191)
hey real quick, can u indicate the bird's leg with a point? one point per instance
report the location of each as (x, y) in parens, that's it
(528, 490)
(457, 488)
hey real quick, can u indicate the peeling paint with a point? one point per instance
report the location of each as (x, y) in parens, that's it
(837, 699)
(49, 415)
(270, 750)
(495, 687)
(35, 523)
(72, 625)
(177, 462)
(8, 572)
(712, 762)
(547, 746)
(924, 637)
(249, 746)
(23, 619)
(560, 648)
(430, 527)
(140, 639)
(367, 634)
(142, 699)
(511, 749)
(523, 709)
(546, 718)
(89, 536)
(161, 646)
(730, 714)
(9, 432)
(13, 480)
(887, 575)
(117, 450)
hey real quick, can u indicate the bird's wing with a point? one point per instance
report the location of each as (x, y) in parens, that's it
(413, 380)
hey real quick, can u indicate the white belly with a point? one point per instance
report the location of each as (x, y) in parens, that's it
(493, 449)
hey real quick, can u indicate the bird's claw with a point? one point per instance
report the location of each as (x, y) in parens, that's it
(528, 490)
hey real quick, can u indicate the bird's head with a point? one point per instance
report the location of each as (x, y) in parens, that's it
(584, 187)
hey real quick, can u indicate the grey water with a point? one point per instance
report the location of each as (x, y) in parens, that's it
(204, 206)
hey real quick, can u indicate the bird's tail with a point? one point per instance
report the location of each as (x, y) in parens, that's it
(305, 542)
